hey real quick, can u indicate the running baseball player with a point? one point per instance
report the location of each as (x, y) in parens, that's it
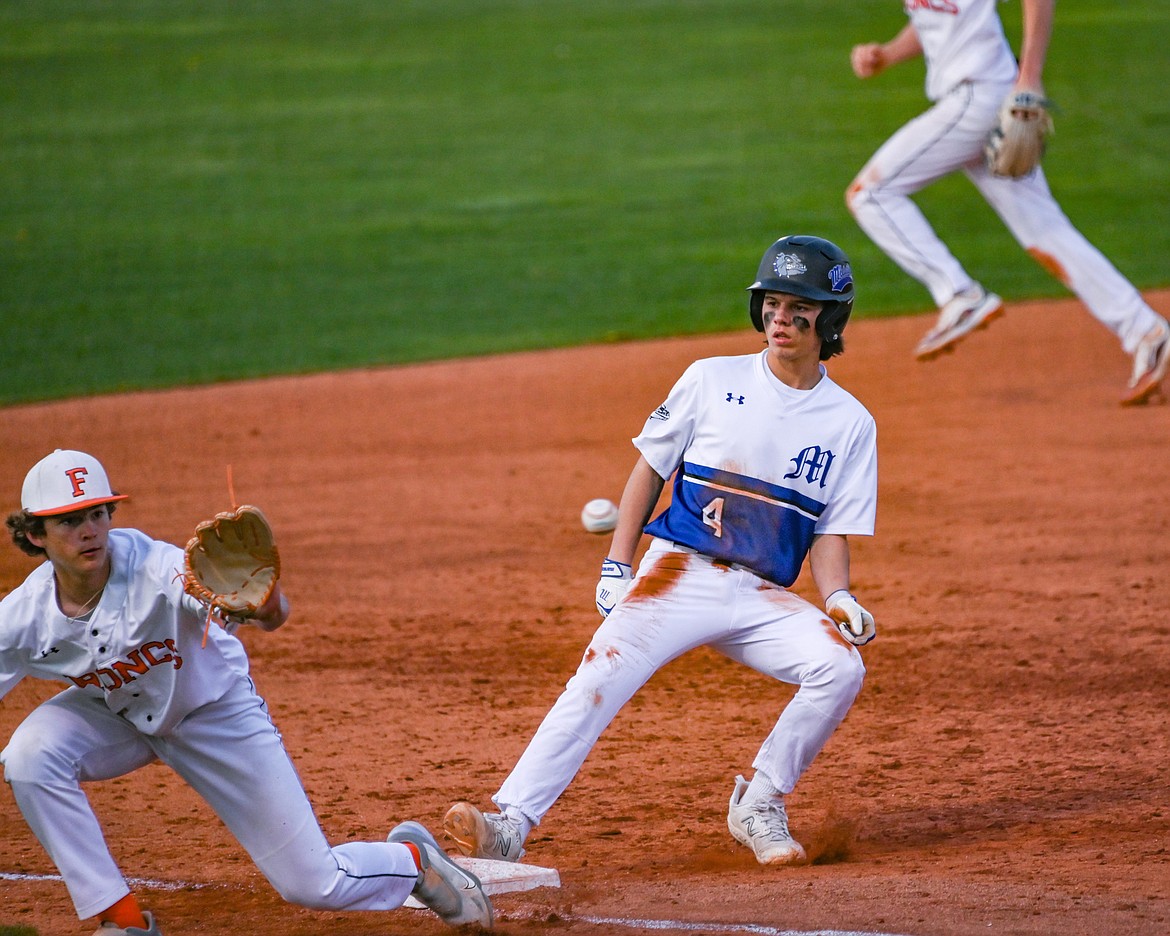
(772, 462)
(107, 615)
(970, 71)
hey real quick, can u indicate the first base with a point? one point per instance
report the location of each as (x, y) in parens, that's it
(502, 877)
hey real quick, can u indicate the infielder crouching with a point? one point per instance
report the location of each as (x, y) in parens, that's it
(107, 614)
(772, 462)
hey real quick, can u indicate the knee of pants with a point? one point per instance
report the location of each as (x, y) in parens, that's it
(837, 678)
(305, 880)
(308, 874)
(31, 758)
(302, 894)
(857, 196)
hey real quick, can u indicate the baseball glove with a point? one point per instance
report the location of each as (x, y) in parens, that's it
(1016, 143)
(231, 562)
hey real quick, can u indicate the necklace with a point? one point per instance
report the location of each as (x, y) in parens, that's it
(85, 608)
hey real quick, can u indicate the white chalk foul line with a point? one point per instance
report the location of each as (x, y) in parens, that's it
(136, 882)
(681, 926)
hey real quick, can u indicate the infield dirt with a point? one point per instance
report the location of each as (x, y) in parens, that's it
(1003, 771)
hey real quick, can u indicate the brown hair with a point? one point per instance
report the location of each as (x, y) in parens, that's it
(22, 523)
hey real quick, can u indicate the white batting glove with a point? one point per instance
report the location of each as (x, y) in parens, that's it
(616, 578)
(853, 621)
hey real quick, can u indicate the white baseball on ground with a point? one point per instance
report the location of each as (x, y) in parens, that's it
(599, 515)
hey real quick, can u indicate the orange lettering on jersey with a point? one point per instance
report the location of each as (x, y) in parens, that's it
(150, 657)
(89, 679)
(137, 662)
(939, 6)
(113, 678)
(133, 664)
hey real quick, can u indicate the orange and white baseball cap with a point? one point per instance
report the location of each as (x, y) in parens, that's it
(66, 481)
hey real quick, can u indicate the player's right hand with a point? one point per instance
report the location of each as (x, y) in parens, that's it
(616, 578)
(853, 621)
(867, 59)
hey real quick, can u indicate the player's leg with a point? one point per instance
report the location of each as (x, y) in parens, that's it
(943, 140)
(934, 144)
(783, 636)
(69, 739)
(232, 755)
(627, 649)
(1038, 223)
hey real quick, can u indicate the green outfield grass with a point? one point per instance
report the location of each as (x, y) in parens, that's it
(197, 191)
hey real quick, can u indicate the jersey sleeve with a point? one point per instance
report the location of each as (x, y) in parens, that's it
(853, 509)
(669, 429)
(12, 670)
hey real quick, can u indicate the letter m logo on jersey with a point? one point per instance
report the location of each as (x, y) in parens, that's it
(813, 464)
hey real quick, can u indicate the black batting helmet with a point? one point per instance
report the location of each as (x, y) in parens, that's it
(816, 269)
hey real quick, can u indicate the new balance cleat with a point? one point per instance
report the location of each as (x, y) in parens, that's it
(968, 311)
(1149, 366)
(483, 835)
(451, 892)
(763, 827)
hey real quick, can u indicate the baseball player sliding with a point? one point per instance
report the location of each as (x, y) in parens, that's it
(970, 70)
(107, 614)
(772, 462)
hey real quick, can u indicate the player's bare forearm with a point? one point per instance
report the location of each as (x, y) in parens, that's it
(1035, 36)
(828, 560)
(643, 488)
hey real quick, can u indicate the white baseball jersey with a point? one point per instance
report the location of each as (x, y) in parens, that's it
(962, 40)
(761, 467)
(141, 689)
(139, 650)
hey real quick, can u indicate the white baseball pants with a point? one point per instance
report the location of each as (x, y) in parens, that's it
(681, 600)
(231, 754)
(948, 138)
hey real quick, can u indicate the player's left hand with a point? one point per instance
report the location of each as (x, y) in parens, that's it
(1016, 144)
(853, 621)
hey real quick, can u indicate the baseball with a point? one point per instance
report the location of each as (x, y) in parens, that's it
(599, 515)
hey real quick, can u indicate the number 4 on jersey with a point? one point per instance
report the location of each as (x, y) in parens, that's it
(713, 515)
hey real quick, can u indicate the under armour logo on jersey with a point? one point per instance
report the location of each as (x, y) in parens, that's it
(661, 413)
(732, 398)
(812, 462)
(788, 265)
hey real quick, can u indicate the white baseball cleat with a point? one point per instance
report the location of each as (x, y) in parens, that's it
(483, 835)
(763, 827)
(113, 929)
(968, 311)
(451, 892)
(1149, 365)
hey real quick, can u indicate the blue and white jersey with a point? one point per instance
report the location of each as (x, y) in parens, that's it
(760, 467)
